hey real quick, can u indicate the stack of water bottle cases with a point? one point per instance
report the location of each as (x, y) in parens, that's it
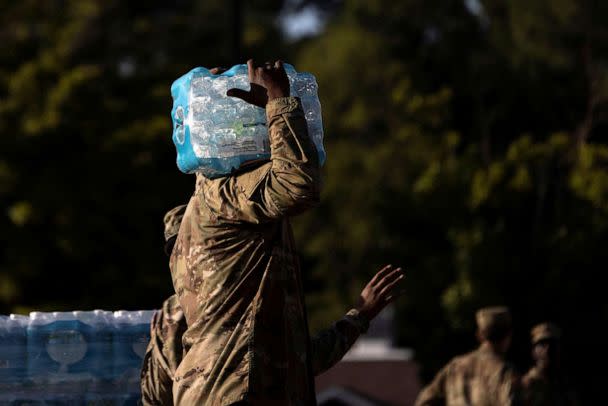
(73, 358)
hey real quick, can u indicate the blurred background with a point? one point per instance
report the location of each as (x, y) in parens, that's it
(466, 142)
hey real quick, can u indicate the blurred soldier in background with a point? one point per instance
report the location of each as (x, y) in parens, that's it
(482, 377)
(545, 383)
(165, 351)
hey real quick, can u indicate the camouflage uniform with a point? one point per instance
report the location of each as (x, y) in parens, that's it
(164, 354)
(236, 275)
(165, 351)
(480, 378)
(172, 221)
(540, 389)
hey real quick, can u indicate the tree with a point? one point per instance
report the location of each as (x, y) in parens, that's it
(87, 167)
(452, 152)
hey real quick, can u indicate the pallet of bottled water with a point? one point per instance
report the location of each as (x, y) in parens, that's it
(215, 134)
(73, 358)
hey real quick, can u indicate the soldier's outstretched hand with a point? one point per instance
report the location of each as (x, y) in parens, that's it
(381, 290)
(267, 83)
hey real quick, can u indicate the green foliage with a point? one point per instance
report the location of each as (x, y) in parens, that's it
(471, 154)
(87, 166)
(467, 147)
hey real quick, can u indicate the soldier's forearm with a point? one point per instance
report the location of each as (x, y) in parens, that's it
(294, 175)
(330, 345)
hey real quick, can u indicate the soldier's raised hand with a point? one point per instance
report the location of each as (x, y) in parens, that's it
(267, 83)
(381, 290)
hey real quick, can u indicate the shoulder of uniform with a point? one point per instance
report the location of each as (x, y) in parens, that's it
(531, 374)
(463, 359)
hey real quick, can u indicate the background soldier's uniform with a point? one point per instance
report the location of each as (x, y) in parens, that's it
(542, 390)
(481, 377)
(237, 278)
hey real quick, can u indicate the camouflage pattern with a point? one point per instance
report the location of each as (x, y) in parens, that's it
(236, 275)
(329, 346)
(480, 378)
(164, 354)
(172, 220)
(543, 390)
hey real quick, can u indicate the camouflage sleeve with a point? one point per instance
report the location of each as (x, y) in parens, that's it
(329, 345)
(163, 354)
(286, 185)
(156, 381)
(434, 393)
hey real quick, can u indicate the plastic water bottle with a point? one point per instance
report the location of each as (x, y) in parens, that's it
(131, 338)
(71, 358)
(97, 363)
(215, 134)
(13, 350)
(58, 344)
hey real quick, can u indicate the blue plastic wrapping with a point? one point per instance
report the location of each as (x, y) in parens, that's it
(131, 337)
(215, 134)
(73, 358)
(13, 348)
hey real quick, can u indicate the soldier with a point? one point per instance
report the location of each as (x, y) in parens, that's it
(164, 352)
(235, 270)
(481, 377)
(545, 383)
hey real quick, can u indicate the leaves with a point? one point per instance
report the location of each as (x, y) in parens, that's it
(466, 146)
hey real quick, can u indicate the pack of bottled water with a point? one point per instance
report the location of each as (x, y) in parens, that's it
(79, 357)
(13, 351)
(131, 337)
(215, 134)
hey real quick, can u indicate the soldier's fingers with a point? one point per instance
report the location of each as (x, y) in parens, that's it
(267, 65)
(386, 291)
(380, 274)
(217, 70)
(239, 93)
(259, 73)
(389, 278)
(278, 64)
(250, 69)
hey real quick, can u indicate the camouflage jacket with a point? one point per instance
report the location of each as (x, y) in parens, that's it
(164, 352)
(236, 275)
(480, 378)
(543, 391)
